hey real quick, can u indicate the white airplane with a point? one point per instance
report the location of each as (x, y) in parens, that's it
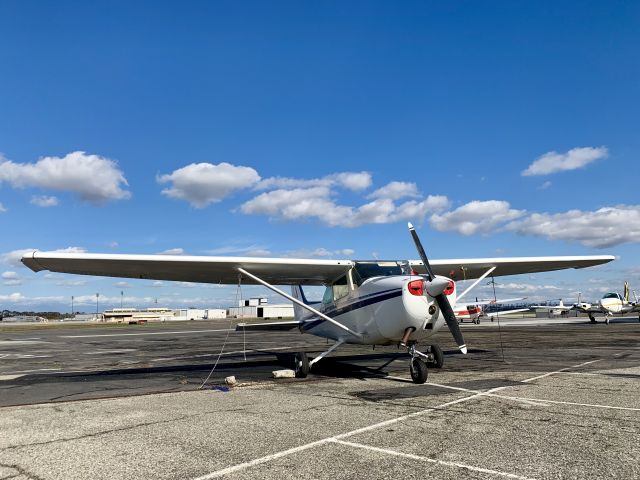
(475, 311)
(560, 309)
(611, 303)
(365, 302)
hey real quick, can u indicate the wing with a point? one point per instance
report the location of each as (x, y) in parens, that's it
(470, 268)
(277, 271)
(274, 326)
(505, 312)
(551, 307)
(222, 270)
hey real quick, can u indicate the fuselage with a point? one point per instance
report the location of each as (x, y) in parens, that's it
(380, 309)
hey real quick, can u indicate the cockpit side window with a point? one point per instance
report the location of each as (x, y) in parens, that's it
(337, 290)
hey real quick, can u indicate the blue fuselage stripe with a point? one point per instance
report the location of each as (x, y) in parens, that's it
(360, 303)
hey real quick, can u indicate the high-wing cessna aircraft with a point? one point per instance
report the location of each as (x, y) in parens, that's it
(474, 311)
(365, 302)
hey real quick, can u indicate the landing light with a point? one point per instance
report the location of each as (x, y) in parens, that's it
(450, 288)
(416, 287)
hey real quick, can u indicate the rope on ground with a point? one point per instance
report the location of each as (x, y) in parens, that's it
(238, 293)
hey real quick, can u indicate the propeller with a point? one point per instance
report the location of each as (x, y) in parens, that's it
(441, 299)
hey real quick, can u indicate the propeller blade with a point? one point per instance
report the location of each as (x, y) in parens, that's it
(441, 300)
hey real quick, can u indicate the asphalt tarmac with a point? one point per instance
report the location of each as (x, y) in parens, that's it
(539, 400)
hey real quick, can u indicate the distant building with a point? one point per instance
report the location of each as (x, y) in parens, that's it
(258, 307)
(161, 314)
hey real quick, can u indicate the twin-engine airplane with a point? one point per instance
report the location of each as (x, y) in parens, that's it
(611, 303)
(365, 302)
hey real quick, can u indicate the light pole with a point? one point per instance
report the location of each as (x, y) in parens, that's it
(71, 305)
(97, 304)
(121, 297)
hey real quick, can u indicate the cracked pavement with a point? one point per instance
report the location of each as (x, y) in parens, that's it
(565, 403)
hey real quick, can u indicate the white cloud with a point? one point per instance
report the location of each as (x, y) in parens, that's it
(602, 228)
(112, 244)
(201, 184)
(356, 181)
(317, 202)
(320, 252)
(3, 209)
(11, 278)
(13, 258)
(396, 190)
(475, 217)
(172, 251)
(545, 185)
(71, 283)
(122, 284)
(44, 201)
(93, 178)
(575, 158)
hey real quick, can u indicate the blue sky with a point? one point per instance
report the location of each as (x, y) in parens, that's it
(277, 128)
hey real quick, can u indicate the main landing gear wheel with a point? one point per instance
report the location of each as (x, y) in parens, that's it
(301, 366)
(592, 318)
(606, 320)
(477, 321)
(438, 357)
(418, 371)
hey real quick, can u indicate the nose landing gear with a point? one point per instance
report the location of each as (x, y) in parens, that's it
(418, 367)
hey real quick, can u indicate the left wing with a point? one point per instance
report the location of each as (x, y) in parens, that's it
(201, 269)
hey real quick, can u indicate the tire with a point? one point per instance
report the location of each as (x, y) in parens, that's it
(478, 321)
(606, 320)
(418, 371)
(593, 320)
(438, 357)
(301, 365)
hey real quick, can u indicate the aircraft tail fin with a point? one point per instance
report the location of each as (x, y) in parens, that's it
(626, 291)
(298, 294)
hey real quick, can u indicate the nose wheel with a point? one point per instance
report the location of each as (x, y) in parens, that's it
(419, 371)
(417, 366)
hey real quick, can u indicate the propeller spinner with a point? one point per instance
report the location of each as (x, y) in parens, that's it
(441, 299)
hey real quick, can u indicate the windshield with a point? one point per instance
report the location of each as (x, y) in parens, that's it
(611, 295)
(364, 270)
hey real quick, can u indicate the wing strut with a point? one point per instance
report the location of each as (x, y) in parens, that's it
(298, 302)
(482, 277)
(324, 354)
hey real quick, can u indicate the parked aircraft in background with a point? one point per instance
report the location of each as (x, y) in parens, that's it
(365, 302)
(560, 309)
(611, 303)
(475, 311)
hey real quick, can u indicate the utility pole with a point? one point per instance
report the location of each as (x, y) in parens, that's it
(97, 304)
(121, 297)
(72, 305)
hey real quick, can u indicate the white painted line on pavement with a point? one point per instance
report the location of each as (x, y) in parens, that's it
(560, 371)
(431, 460)
(146, 333)
(300, 448)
